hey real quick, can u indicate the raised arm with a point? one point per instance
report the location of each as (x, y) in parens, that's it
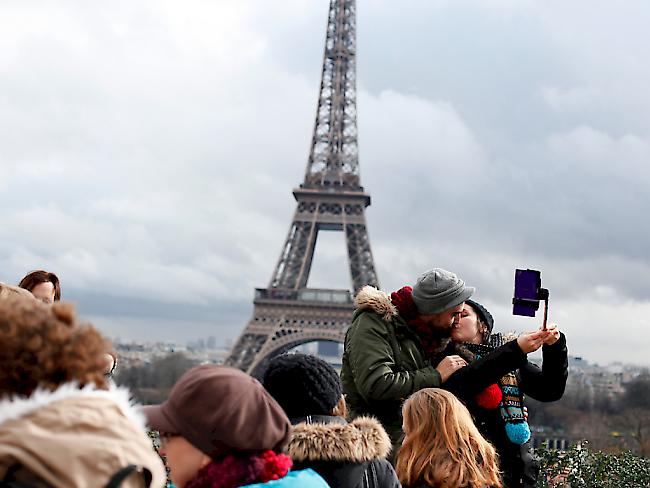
(547, 384)
(481, 373)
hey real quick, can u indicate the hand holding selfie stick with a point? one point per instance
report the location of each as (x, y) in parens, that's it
(528, 294)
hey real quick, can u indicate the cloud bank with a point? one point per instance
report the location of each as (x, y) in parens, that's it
(148, 151)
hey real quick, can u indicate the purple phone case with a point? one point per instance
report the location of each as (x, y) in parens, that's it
(527, 283)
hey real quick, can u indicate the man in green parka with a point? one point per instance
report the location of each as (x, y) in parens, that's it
(384, 361)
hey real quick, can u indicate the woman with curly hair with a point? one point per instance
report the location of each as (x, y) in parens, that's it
(61, 424)
(442, 447)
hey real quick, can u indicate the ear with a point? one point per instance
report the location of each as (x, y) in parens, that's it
(205, 460)
(109, 363)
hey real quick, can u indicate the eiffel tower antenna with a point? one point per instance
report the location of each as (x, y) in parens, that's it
(287, 313)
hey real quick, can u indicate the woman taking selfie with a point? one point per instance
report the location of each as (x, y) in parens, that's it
(499, 410)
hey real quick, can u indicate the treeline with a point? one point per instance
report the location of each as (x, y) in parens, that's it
(611, 424)
(152, 382)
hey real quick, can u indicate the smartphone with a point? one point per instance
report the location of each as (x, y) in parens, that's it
(527, 285)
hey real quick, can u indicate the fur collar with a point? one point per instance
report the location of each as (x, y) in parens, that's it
(370, 298)
(16, 407)
(363, 439)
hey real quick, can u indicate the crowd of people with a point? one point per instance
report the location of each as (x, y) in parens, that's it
(428, 396)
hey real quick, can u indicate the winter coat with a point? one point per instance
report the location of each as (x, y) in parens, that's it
(518, 463)
(383, 362)
(346, 455)
(306, 478)
(424, 485)
(480, 373)
(74, 437)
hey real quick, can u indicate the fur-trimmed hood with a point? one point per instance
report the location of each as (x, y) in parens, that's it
(16, 407)
(74, 437)
(370, 298)
(361, 440)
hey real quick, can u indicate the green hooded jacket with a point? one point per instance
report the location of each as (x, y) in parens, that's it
(383, 362)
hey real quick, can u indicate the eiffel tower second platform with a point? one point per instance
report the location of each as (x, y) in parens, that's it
(287, 313)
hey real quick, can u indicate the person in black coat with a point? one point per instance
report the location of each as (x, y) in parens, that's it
(498, 409)
(346, 455)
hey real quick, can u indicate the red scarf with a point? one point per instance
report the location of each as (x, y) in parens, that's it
(233, 471)
(403, 301)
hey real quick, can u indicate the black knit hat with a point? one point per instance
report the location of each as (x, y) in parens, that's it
(483, 314)
(303, 385)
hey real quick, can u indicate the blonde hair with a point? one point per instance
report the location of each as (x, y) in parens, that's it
(442, 447)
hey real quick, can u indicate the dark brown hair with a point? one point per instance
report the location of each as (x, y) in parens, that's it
(40, 276)
(44, 346)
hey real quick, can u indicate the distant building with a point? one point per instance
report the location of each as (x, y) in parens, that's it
(133, 354)
(591, 381)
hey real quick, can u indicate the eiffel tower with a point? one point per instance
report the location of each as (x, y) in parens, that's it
(287, 313)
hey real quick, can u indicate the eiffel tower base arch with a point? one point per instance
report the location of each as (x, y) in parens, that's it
(284, 319)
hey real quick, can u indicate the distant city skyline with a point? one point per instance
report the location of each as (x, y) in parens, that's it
(574, 361)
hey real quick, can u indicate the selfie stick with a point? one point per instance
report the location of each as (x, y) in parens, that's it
(543, 295)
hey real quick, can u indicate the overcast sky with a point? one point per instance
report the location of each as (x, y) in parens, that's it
(148, 150)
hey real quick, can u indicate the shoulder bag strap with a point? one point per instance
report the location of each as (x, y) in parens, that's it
(117, 479)
(373, 472)
(370, 479)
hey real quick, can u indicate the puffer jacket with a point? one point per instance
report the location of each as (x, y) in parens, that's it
(74, 437)
(305, 478)
(383, 361)
(346, 455)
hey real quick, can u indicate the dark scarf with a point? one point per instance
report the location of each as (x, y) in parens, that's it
(232, 471)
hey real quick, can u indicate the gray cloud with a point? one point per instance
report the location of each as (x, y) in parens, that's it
(148, 151)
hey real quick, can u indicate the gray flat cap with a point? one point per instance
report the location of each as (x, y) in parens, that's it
(438, 290)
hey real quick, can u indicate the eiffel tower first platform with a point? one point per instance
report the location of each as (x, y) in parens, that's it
(287, 313)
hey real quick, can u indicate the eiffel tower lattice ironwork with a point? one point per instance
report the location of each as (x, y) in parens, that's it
(287, 313)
